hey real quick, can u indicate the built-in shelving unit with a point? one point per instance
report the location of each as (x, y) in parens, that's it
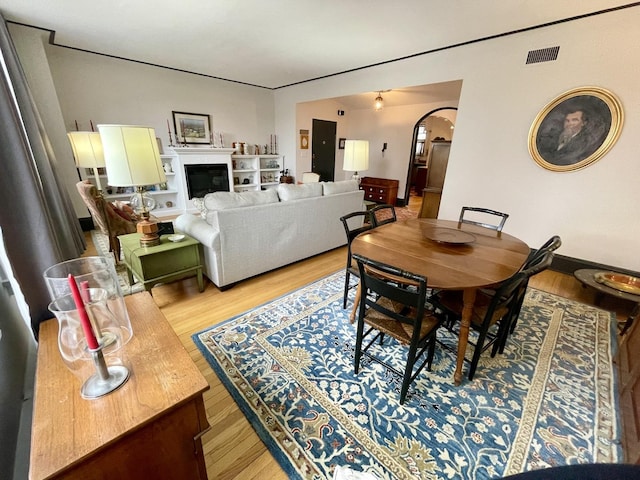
(256, 172)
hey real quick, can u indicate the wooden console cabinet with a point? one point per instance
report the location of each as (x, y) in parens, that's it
(148, 428)
(379, 190)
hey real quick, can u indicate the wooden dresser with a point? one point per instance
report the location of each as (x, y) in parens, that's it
(379, 190)
(149, 428)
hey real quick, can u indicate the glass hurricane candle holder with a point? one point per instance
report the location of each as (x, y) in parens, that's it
(92, 272)
(101, 369)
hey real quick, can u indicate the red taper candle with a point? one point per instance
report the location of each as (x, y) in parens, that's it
(92, 343)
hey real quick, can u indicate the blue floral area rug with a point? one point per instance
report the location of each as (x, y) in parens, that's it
(549, 400)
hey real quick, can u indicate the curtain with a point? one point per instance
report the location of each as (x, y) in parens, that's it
(38, 221)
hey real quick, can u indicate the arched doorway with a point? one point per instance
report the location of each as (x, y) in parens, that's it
(423, 136)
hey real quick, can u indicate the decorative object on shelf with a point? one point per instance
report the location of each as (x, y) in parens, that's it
(236, 180)
(356, 157)
(132, 160)
(246, 181)
(192, 128)
(169, 203)
(166, 166)
(576, 129)
(170, 137)
(273, 145)
(341, 143)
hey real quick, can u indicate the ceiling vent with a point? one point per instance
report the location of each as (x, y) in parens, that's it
(543, 55)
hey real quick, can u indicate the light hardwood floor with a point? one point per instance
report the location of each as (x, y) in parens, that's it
(232, 448)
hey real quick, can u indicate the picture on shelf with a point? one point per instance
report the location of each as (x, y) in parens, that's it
(192, 128)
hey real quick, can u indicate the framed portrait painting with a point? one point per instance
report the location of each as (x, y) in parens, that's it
(576, 129)
(192, 128)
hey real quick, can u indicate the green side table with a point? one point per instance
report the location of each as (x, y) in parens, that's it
(163, 263)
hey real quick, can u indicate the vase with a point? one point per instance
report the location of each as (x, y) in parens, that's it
(92, 272)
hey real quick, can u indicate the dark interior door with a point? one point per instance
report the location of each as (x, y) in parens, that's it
(323, 149)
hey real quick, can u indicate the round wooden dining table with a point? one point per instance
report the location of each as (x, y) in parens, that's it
(451, 255)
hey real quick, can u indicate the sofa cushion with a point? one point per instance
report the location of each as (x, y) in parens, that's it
(226, 200)
(332, 188)
(289, 191)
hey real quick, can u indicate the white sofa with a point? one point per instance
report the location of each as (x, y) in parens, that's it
(247, 233)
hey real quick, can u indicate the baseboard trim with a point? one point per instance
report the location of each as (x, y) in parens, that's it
(569, 265)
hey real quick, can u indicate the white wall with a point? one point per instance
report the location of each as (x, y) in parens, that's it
(107, 90)
(594, 209)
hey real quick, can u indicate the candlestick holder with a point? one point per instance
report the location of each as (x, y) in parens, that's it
(103, 369)
(106, 379)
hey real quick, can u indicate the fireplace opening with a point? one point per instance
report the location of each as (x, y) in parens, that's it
(203, 179)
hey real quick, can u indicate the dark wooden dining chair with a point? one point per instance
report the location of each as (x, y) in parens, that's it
(536, 263)
(382, 214)
(550, 245)
(492, 314)
(393, 304)
(354, 224)
(476, 216)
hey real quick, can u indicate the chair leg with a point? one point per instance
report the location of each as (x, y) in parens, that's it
(476, 354)
(346, 288)
(356, 303)
(432, 351)
(115, 248)
(358, 350)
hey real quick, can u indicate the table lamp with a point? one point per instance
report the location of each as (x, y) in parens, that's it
(87, 152)
(356, 157)
(132, 159)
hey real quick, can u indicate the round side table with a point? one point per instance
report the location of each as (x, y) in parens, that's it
(586, 276)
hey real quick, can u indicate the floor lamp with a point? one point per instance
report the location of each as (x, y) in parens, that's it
(132, 159)
(88, 153)
(356, 157)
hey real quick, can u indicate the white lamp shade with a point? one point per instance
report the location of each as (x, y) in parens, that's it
(131, 155)
(356, 155)
(87, 149)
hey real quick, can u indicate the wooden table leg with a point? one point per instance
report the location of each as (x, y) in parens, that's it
(468, 299)
(356, 302)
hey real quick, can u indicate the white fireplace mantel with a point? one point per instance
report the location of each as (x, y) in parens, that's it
(199, 156)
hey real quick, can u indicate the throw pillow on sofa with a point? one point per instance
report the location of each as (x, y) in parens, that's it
(289, 191)
(226, 200)
(344, 186)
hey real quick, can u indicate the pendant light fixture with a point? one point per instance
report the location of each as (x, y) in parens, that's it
(379, 102)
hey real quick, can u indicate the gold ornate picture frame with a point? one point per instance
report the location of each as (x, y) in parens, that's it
(576, 129)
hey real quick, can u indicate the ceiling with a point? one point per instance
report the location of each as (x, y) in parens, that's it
(276, 43)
